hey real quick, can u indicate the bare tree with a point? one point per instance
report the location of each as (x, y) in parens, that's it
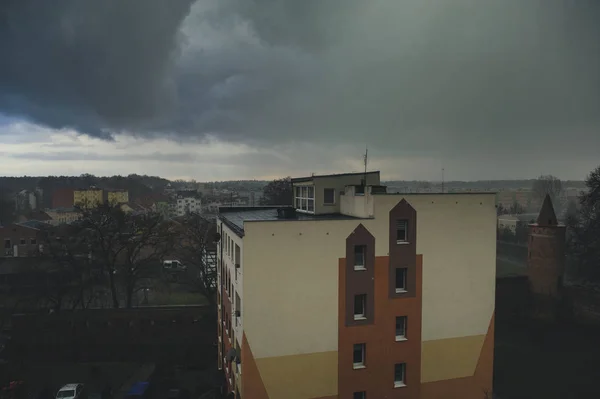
(107, 229)
(65, 265)
(148, 241)
(516, 209)
(547, 185)
(196, 242)
(584, 242)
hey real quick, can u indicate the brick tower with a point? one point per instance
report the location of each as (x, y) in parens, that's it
(546, 253)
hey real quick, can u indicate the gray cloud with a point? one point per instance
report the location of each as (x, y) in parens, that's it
(447, 78)
(207, 160)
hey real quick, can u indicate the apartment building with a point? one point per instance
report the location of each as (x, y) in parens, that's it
(188, 204)
(115, 197)
(88, 198)
(353, 292)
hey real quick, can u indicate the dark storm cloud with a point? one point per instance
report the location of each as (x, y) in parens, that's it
(244, 160)
(406, 76)
(92, 65)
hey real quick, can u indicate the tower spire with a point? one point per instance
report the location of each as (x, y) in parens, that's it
(547, 217)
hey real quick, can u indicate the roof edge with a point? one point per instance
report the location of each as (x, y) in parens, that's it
(309, 178)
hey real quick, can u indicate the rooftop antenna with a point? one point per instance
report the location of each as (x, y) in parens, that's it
(442, 180)
(366, 160)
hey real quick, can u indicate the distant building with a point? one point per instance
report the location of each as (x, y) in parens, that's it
(213, 206)
(34, 215)
(88, 198)
(203, 188)
(115, 197)
(63, 215)
(188, 204)
(19, 240)
(26, 200)
(63, 198)
(511, 222)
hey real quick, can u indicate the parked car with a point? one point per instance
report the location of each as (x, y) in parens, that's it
(71, 391)
(173, 266)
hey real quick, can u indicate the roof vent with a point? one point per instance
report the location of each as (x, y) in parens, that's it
(286, 213)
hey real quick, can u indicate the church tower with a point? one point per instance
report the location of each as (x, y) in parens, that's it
(546, 253)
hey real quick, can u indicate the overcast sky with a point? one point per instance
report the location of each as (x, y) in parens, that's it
(236, 89)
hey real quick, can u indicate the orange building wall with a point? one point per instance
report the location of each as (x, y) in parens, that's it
(382, 350)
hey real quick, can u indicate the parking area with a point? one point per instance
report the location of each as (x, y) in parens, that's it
(43, 380)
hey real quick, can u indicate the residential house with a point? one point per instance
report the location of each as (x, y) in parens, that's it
(357, 293)
(19, 240)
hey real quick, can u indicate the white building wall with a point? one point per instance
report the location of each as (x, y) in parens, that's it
(187, 205)
(229, 240)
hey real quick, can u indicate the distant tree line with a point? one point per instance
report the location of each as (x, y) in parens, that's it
(138, 186)
(278, 192)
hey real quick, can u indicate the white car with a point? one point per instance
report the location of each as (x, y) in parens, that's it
(174, 266)
(70, 391)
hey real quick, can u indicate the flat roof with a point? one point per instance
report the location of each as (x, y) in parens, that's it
(235, 218)
(439, 193)
(309, 178)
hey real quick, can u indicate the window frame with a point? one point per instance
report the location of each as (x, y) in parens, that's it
(304, 198)
(363, 266)
(406, 225)
(399, 383)
(332, 196)
(363, 315)
(403, 336)
(363, 353)
(400, 290)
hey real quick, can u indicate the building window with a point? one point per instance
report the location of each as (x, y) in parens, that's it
(360, 395)
(360, 304)
(358, 357)
(400, 279)
(23, 242)
(305, 198)
(329, 196)
(400, 328)
(360, 252)
(399, 375)
(402, 231)
(7, 243)
(33, 241)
